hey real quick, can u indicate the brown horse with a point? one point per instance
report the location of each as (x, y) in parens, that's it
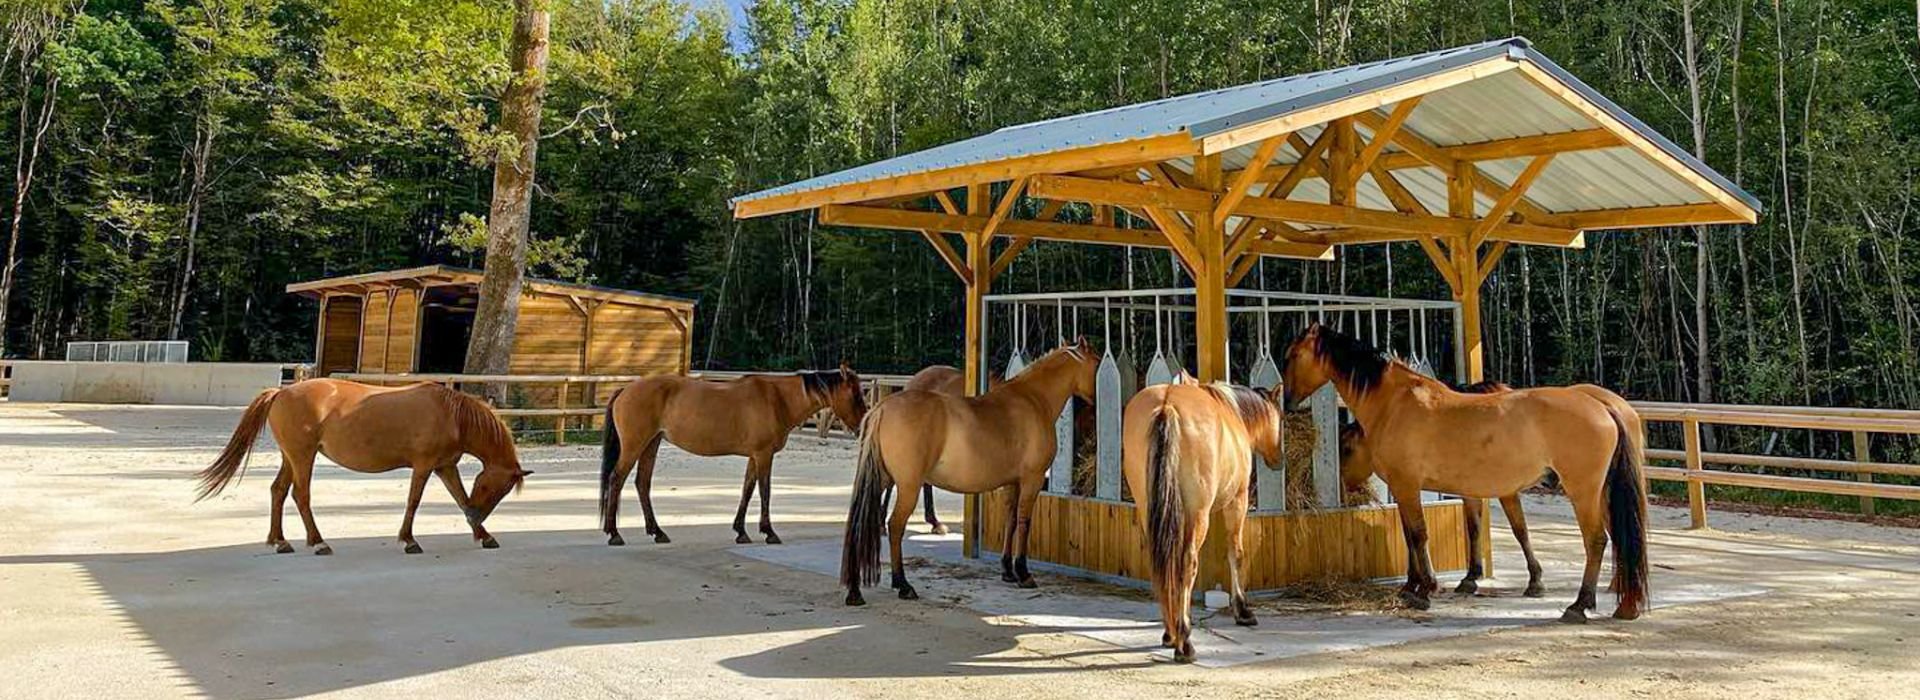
(1424, 435)
(961, 444)
(940, 379)
(1356, 467)
(374, 429)
(750, 417)
(1188, 448)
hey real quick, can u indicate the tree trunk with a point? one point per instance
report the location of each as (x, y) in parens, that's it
(1702, 255)
(490, 349)
(28, 156)
(201, 154)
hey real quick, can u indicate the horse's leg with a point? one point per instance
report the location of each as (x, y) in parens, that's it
(1518, 520)
(766, 498)
(933, 519)
(644, 484)
(1589, 509)
(1236, 517)
(1029, 492)
(896, 532)
(1183, 590)
(610, 510)
(276, 538)
(450, 475)
(1471, 584)
(747, 483)
(417, 486)
(1413, 525)
(303, 500)
(1013, 528)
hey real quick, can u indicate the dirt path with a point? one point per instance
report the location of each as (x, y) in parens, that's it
(114, 584)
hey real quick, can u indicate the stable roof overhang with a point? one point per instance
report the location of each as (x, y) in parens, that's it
(1545, 156)
(447, 275)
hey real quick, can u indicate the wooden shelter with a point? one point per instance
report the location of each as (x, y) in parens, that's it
(1465, 151)
(417, 320)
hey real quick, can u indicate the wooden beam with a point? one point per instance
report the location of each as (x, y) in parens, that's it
(947, 254)
(1644, 217)
(1504, 204)
(1382, 137)
(1491, 259)
(1148, 150)
(1440, 261)
(1243, 182)
(1005, 259)
(946, 202)
(1397, 193)
(1541, 145)
(915, 221)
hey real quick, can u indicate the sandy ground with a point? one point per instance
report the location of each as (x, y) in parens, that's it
(113, 583)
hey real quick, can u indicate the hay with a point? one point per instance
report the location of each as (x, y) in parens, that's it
(1298, 437)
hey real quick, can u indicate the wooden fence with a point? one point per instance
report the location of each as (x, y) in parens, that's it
(1860, 423)
(579, 399)
(6, 377)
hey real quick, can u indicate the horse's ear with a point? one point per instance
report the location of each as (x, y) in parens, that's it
(844, 369)
(526, 472)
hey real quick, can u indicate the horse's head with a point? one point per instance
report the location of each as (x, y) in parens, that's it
(1305, 369)
(1321, 355)
(497, 479)
(1085, 367)
(843, 394)
(1356, 464)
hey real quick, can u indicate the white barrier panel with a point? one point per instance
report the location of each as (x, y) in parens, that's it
(179, 384)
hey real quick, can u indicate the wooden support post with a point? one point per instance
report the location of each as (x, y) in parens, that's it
(1466, 277)
(560, 421)
(1696, 490)
(980, 265)
(1863, 452)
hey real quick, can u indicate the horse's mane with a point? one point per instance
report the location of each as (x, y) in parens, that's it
(820, 385)
(1254, 405)
(1055, 355)
(479, 427)
(1363, 365)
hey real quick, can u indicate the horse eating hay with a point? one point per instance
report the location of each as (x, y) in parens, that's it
(1187, 448)
(961, 444)
(1425, 435)
(373, 429)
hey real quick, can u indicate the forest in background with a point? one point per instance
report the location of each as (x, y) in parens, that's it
(175, 163)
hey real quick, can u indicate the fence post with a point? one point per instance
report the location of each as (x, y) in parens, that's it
(1696, 489)
(560, 421)
(1863, 452)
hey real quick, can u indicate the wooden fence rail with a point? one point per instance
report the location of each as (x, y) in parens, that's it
(588, 411)
(6, 377)
(1860, 423)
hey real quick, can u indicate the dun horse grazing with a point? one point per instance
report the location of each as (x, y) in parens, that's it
(750, 417)
(374, 429)
(961, 444)
(1356, 466)
(1189, 449)
(1424, 435)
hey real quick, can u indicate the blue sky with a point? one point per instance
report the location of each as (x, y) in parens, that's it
(738, 10)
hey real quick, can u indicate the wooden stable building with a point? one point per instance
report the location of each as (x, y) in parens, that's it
(418, 320)
(1464, 152)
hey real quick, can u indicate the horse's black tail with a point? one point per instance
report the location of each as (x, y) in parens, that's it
(232, 461)
(1168, 531)
(609, 459)
(1627, 523)
(867, 514)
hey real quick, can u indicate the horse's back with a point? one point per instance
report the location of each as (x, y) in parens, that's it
(702, 417)
(362, 426)
(941, 379)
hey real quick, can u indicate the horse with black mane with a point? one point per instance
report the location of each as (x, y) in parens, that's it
(1423, 435)
(749, 417)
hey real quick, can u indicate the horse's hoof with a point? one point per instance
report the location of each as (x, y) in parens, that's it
(412, 548)
(1574, 616)
(616, 540)
(1626, 613)
(1166, 640)
(939, 528)
(489, 543)
(1467, 587)
(854, 599)
(1535, 590)
(1415, 601)
(1248, 621)
(661, 538)
(283, 547)
(1184, 654)
(773, 538)
(322, 550)
(1008, 577)
(1028, 582)
(742, 538)
(907, 593)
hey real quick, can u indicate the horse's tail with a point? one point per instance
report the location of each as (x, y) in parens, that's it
(866, 515)
(232, 461)
(1627, 522)
(609, 457)
(1169, 533)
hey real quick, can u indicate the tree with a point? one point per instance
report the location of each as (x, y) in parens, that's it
(509, 219)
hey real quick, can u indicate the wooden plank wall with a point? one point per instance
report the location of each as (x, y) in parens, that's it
(339, 350)
(548, 339)
(373, 333)
(1282, 548)
(389, 329)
